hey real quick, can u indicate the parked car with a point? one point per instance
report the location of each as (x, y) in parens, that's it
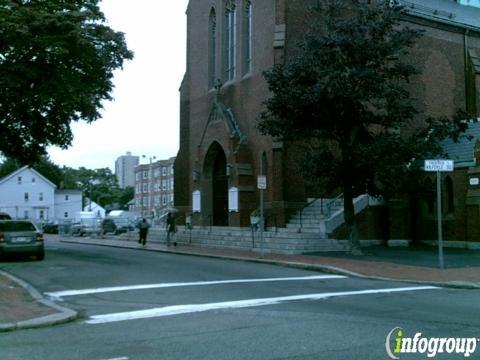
(5, 216)
(21, 237)
(108, 226)
(78, 229)
(50, 228)
(84, 227)
(124, 229)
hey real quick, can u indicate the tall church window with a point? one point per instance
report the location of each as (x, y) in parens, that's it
(264, 165)
(247, 37)
(212, 38)
(450, 204)
(430, 196)
(230, 39)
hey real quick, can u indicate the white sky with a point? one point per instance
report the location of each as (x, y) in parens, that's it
(144, 116)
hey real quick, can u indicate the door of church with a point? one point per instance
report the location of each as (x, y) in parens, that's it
(220, 191)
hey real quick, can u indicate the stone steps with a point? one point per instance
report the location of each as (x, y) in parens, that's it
(281, 241)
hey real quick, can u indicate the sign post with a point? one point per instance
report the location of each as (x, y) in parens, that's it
(439, 166)
(261, 185)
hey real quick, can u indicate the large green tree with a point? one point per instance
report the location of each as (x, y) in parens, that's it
(345, 97)
(57, 60)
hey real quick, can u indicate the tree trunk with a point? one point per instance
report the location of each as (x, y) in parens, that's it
(350, 222)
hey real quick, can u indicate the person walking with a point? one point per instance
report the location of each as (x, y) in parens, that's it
(171, 229)
(143, 226)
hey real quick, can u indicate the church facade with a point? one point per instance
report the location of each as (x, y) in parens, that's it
(230, 43)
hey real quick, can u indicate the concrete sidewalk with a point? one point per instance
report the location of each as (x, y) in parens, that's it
(21, 306)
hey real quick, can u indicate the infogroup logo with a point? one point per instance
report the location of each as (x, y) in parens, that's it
(397, 343)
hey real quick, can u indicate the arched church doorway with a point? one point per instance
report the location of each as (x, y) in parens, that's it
(215, 185)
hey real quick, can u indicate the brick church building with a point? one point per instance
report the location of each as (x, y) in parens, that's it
(231, 42)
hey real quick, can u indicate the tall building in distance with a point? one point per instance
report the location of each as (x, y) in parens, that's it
(154, 188)
(125, 169)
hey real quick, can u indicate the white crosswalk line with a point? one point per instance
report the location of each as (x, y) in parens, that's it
(184, 309)
(65, 293)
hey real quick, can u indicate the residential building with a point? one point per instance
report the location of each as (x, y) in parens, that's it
(67, 204)
(95, 208)
(154, 187)
(230, 43)
(27, 194)
(125, 170)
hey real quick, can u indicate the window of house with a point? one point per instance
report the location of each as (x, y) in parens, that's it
(230, 39)
(164, 171)
(25, 214)
(66, 198)
(164, 185)
(19, 180)
(25, 196)
(41, 214)
(40, 196)
(212, 39)
(171, 169)
(137, 176)
(33, 180)
(65, 214)
(145, 188)
(247, 37)
(145, 174)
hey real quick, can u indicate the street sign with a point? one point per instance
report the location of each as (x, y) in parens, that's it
(261, 182)
(438, 165)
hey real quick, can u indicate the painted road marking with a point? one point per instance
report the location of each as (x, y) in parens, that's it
(61, 294)
(185, 309)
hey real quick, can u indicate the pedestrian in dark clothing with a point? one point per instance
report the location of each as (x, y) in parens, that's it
(171, 229)
(143, 226)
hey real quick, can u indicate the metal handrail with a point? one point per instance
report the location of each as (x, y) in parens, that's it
(328, 207)
(331, 203)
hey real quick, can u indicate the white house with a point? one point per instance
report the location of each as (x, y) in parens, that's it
(27, 194)
(95, 208)
(67, 204)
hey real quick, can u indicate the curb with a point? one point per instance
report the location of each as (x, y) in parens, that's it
(297, 265)
(63, 314)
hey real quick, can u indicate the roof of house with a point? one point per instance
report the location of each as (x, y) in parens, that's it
(68, 191)
(446, 11)
(21, 170)
(462, 152)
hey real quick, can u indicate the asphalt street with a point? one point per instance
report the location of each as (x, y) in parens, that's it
(137, 304)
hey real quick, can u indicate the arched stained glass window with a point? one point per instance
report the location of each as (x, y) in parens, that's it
(247, 36)
(450, 203)
(230, 39)
(212, 38)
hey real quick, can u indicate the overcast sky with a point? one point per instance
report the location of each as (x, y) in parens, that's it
(144, 116)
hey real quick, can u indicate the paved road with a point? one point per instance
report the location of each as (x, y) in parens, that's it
(134, 306)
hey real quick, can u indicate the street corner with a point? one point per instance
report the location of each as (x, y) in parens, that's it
(23, 307)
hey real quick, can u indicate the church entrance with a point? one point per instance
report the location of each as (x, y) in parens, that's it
(216, 185)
